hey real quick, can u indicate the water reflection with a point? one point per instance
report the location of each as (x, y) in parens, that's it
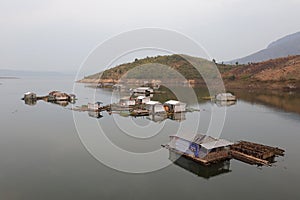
(225, 103)
(52, 149)
(30, 102)
(286, 101)
(95, 114)
(177, 116)
(157, 118)
(33, 102)
(206, 172)
(60, 103)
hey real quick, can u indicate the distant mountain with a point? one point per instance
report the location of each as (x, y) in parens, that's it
(286, 46)
(24, 73)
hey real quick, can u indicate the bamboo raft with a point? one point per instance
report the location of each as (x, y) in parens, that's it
(254, 153)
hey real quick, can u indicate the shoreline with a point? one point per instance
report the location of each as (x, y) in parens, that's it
(238, 84)
(8, 77)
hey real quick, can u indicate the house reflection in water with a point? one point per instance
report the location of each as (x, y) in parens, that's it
(30, 102)
(206, 172)
(95, 114)
(225, 103)
(61, 103)
(159, 117)
(177, 116)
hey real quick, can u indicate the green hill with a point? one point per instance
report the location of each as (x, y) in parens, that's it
(280, 73)
(160, 67)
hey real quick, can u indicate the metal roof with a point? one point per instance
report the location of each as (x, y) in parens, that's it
(225, 94)
(216, 144)
(196, 138)
(142, 97)
(143, 88)
(204, 139)
(27, 93)
(173, 102)
(153, 102)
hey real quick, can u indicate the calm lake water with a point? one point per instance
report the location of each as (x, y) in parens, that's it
(42, 155)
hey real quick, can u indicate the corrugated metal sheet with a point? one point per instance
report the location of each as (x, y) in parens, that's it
(216, 144)
(196, 138)
(172, 102)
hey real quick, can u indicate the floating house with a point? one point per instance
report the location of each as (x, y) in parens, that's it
(30, 98)
(126, 101)
(58, 96)
(173, 106)
(142, 99)
(225, 97)
(30, 95)
(201, 148)
(155, 107)
(143, 90)
(94, 106)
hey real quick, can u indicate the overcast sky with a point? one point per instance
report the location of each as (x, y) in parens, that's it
(57, 35)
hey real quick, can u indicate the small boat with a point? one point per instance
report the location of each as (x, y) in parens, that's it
(225, 97)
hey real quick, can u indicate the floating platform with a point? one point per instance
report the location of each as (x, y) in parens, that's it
(255, 154)
(139, 112)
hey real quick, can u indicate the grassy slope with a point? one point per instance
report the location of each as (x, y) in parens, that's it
(272, 74)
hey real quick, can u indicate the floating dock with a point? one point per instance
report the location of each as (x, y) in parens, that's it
(254, 153)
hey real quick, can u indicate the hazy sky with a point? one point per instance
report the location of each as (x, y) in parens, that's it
(59, 34)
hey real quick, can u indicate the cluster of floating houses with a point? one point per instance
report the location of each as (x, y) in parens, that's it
(140, 104)
(56, 97)
(199, 148)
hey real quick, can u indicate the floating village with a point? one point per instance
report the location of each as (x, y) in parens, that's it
(209, 156)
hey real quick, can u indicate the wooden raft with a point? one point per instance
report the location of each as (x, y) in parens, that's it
(254, 153)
